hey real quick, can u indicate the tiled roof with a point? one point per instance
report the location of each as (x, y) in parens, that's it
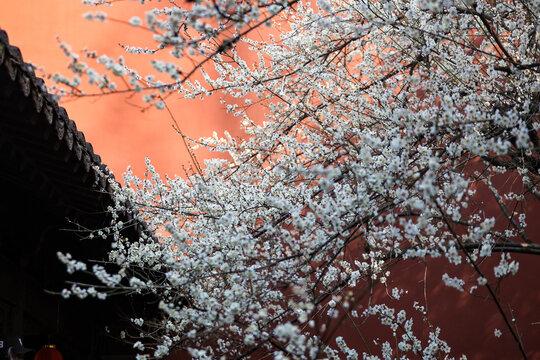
(49, 185)
(37, 138)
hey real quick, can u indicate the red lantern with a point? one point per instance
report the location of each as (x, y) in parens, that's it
(48, 352)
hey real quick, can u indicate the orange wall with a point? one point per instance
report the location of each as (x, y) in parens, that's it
(120, 133)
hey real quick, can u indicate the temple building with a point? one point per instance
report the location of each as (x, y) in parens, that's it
(50, 194)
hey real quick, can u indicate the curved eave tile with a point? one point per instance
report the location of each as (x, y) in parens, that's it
(47, 108)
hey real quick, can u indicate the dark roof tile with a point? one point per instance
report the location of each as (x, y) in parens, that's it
(37, 135)
(41, 133)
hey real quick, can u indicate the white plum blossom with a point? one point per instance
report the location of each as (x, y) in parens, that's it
(394, 132)
(71, 264)
(453, 282)
(135, 21)
(505, 267)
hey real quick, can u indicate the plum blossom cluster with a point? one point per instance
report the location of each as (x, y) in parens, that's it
(408, 342)
(201, 29)
(397, 131)
(72, 265)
